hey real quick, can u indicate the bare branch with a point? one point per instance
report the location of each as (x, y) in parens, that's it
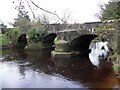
(19, 5)
(47, 11)
(30, 8)
(66, 15)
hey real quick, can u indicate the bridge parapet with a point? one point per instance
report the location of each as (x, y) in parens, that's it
(70, 34)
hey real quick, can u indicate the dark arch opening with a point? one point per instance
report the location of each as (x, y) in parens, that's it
(81, 43)
(21, 41)
(49, 39)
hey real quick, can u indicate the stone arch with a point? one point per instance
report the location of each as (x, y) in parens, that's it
(21, 41)
(81, 43)
(49, 39)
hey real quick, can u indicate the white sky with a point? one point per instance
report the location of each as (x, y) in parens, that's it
(81, 10)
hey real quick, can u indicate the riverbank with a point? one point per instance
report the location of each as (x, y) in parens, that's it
(115, 58)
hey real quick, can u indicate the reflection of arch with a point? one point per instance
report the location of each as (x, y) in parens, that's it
(49, 39)
(81, 43)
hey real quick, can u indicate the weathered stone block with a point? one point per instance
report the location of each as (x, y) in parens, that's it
(62, 46)
(56, 54)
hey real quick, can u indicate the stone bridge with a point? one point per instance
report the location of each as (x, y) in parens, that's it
(65, 40)
(70, 40)
(75, 40)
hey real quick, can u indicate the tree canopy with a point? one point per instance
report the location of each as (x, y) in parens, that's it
(110, 11)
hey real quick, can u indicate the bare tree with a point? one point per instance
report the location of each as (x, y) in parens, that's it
(63, 19)
(66, 16)
(46, 18)
(46, 11)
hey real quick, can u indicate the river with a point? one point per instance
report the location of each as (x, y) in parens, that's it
(36, 69)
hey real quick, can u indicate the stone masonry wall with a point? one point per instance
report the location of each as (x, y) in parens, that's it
(73, 30)
(108, 35)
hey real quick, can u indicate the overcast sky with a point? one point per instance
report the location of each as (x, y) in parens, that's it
(81, 10)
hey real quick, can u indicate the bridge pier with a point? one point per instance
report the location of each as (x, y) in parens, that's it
(57, 54)
(68, 48)
(62, 50)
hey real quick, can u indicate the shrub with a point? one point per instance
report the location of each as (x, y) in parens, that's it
(36, 35)
(3, 39)
(13, 35)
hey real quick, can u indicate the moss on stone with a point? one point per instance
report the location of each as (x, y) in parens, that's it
(62, 46)
(60, 41)
(34, 46)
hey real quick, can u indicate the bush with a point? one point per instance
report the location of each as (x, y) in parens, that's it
(36, 35)
(13, 35)
(3, 39)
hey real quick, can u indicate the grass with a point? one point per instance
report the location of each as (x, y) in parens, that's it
(3, 40)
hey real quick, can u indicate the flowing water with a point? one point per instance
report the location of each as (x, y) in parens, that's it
(36, 69)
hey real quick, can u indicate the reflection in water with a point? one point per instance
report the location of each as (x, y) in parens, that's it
(83, 71)
(36, 69)
(32, 79)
